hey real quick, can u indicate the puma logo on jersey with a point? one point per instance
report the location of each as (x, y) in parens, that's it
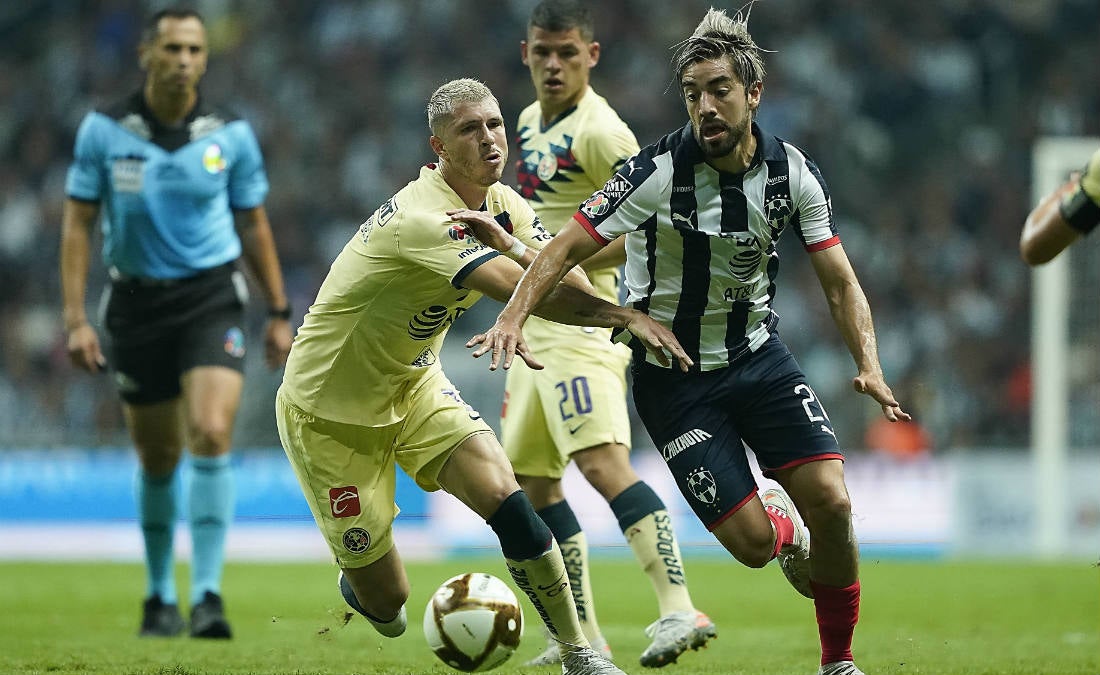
(682, 218)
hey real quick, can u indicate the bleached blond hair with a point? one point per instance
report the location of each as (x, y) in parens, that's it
(442, 104)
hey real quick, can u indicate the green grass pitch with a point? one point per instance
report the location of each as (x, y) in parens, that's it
(918, 618)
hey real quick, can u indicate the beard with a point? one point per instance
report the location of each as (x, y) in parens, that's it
(725, 145)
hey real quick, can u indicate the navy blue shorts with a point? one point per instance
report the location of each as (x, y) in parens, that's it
(702, 421)
(158, 330)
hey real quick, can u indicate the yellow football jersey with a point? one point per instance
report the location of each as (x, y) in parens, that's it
(381, 314)
(561, 164)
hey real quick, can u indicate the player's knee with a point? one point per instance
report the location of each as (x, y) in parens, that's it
(542, 491)
(523, 535)
(607, 471)
(755, 557)
(211, 436)
(832, 513)
(752, 547)
(381, 601)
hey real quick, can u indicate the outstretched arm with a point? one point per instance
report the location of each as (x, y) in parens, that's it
(1062, 216)
(1046, 233)
(538, 292)
(852, 315)
(489, 232)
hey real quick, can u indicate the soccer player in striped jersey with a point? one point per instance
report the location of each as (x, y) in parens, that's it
(570, 142)
(1062, 216)
(180, 183)
(701, 211)
(364, 388)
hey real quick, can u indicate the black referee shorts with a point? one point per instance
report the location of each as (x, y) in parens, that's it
(702, 421)
(159, 329)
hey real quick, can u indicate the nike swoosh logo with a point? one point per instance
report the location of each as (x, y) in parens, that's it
(575, 429)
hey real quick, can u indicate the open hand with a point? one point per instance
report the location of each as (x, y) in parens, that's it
(505, 341)
(660, 341)
(875, 386)
(484, 227)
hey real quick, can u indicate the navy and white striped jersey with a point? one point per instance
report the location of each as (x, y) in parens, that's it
(701, 243)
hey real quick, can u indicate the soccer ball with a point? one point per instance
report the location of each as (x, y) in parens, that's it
(473, 622)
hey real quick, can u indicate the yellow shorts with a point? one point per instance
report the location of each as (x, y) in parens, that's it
(347, 471)
(576, 402)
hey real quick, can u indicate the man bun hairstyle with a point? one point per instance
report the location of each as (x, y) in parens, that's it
(717, 36)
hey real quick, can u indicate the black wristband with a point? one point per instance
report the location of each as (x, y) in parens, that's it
(283, 313)
(1080, 212)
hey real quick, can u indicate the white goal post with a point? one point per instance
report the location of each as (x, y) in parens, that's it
(1053, 159)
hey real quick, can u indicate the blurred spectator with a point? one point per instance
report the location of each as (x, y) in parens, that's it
(904, 440)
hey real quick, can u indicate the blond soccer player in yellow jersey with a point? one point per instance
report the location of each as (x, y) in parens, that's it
(364, 389)
(570, 142)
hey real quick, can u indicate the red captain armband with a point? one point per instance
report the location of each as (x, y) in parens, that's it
(590, 229)
(822, 245)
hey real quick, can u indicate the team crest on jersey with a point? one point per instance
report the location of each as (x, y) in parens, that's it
(778, 212)
(233, 342)
(356, 540)
(596, 205)
(702, 485)
(212, 159)
(547, 167)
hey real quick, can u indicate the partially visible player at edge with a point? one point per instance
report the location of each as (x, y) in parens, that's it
(570, 142)
(181, 184)
(1062, 216)
(701, 211)
(364, 387)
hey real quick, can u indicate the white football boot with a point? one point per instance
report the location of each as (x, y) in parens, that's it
(794, 558)
(551, 654)
(674, 634)
(587, 661)
(840, 668)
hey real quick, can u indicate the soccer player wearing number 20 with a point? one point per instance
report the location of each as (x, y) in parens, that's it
(570, 142)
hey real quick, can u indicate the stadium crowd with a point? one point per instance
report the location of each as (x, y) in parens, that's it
(921, 115)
